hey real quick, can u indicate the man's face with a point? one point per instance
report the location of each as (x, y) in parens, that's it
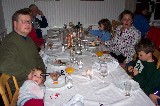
(23, 25)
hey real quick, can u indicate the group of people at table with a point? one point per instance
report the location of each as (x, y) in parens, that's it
(19, 55)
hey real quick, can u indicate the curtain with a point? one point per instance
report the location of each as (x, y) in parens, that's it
(130, 5)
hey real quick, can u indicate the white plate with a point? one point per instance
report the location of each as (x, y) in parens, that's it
(61, 82)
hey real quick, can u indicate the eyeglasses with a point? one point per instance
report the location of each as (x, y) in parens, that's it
(26, 22)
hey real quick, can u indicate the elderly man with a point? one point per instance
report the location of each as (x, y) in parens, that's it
(18, 53)
(37, 23)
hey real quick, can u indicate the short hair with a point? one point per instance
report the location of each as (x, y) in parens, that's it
(39, 69)
(32, 5)
(124, 13)
(106, 23)
(145, 45)
(24, 11)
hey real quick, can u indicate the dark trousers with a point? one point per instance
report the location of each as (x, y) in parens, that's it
(120, 57)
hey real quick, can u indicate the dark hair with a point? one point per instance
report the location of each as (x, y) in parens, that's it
(145, 45)
(24, 11)
(32, 5)
(140, 7)
(106, 23)
(124, 13)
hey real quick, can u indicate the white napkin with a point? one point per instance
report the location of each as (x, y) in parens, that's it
(112, 65)
(77, 100)
(95, 66)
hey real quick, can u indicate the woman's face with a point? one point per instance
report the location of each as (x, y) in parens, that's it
(145, 12)
(126, 21)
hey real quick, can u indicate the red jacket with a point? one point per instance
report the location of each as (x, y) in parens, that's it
(154, 35)
(34, 37)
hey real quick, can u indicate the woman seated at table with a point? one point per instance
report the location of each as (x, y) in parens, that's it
(103, 33)
(125, 39)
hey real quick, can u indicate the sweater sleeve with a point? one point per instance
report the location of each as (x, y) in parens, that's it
(153, 83)
(8, 64)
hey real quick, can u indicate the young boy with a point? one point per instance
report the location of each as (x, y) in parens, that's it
(144, 69)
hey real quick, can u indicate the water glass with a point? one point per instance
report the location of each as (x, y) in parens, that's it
(69, 82)
(103, 70)
(86, 46)
(127, 88)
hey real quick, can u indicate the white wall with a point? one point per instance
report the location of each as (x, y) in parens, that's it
(59, 12)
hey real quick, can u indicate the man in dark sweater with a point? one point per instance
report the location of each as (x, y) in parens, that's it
(37, 23)
(144, 70)
(18, 53)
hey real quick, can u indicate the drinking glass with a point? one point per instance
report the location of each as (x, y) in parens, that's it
(86, 46)
(99, 52)
(127, 88)
(103, 70)
(69, 82)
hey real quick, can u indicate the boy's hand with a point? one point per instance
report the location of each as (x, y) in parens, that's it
(130, 69)
(135, 72)
(154, 98)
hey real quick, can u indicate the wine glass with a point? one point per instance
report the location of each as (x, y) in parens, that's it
(103, 70)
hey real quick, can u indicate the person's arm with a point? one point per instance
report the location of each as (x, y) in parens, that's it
(154, 98)
(36, 90)
(95, 32)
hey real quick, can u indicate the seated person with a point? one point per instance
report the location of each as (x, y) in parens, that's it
(104, 30)
(144, 69)
(125, 38)
(37, 23)
(33, 35)
(31, 93)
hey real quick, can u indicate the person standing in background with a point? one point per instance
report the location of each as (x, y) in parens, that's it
(140, 21)
(37, 23)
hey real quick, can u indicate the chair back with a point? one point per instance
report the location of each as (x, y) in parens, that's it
(115, 24)
(9, 99)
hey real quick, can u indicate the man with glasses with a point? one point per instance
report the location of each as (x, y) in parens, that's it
(38, 23)
(18, 53)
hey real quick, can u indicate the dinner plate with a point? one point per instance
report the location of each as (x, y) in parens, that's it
(50, 84)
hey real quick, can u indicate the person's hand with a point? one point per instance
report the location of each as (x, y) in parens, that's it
(40, 12)
(135, 72)
(130, 69)
(154, 98)
(90, 27)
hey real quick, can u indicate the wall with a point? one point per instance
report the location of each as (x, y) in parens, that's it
(2, 24)
(64, 11)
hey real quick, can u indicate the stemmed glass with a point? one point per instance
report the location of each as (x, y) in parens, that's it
(103, 70)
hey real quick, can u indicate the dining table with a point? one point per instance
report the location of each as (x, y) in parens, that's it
(86, 85)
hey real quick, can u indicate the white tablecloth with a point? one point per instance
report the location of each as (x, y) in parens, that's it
(94, 91)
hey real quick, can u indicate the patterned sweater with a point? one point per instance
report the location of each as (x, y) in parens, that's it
(124, 42)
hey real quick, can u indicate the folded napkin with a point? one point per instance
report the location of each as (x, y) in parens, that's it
(77, 100)
(112, 64)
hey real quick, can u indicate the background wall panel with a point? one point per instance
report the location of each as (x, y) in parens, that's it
(64, 11)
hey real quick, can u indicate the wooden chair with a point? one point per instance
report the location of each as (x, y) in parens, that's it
(5, 90)
(115, 24)
(156, 54)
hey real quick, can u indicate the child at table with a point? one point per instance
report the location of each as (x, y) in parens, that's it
(31, 93)
(144, 69)
(103, 33)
